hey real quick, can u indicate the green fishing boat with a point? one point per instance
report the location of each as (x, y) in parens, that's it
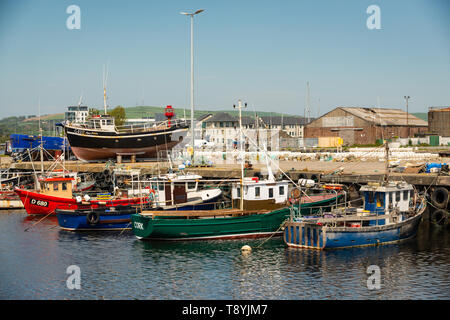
(265, 207)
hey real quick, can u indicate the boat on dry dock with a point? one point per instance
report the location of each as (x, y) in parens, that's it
(100, 139)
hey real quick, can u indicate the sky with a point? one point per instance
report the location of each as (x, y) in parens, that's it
(262, 52)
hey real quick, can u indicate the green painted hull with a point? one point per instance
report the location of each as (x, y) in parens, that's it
(249, 226)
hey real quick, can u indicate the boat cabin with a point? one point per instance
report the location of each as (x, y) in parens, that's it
(57, 187)
(260, 194)
(173, 189)
(103, 122)
(384, 199)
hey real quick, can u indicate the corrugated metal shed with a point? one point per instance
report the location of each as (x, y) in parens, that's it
(385, 116)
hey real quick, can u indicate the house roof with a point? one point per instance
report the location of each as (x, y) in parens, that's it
(285, 120)
(386, 116)
(222, 116)
(204, 116)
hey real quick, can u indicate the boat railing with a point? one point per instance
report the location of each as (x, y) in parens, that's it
(146, 127)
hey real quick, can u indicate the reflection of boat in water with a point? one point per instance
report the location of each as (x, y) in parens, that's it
(391, 212)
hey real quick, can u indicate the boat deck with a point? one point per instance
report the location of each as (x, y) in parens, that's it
(203, 213)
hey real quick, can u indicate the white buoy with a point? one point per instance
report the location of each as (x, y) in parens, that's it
(246, 248)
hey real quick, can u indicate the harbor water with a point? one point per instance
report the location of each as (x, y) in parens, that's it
(34, 265)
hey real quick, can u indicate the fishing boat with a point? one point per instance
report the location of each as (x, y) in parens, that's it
(172, 191)
(56, 193)
(99, 219)
(391, 212)
(100, 139)
(259, 208)
(226, 223)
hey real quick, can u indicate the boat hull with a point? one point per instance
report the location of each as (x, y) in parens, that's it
(108, 220)
(250, 226)
(301, 235)
(40, 204)
(89, 145)
(247, 226)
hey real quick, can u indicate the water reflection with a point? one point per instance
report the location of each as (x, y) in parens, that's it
(116, 265)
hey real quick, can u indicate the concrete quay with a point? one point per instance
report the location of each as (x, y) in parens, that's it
(360, 172)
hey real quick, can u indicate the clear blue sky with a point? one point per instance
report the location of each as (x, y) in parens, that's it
(262, 52)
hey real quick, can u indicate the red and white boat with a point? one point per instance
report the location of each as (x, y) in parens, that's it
(56, 193)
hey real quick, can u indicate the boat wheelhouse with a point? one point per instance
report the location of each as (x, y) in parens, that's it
(260, 194)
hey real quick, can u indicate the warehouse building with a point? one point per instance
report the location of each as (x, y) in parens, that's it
(365, 125)
(439, 121)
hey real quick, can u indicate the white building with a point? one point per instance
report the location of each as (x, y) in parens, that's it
(77, 114)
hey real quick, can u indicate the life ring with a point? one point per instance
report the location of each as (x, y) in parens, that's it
(295, 193)
(93, 218)
(440, 197)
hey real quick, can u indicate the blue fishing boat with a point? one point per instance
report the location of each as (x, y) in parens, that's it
(391, 212)
(107, 218)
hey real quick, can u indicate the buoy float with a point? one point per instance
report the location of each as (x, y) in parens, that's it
(246, 248)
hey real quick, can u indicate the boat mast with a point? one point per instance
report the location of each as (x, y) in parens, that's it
(386, 148)
(105, 79)
(41, 147)
(241, 151)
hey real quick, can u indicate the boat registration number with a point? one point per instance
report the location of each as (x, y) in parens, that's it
(39, 203)
(139, 225)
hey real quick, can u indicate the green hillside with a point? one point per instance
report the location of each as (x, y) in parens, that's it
(150, 111)
(421, 115)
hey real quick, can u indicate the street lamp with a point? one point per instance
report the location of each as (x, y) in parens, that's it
(192, 73)
(407, 114)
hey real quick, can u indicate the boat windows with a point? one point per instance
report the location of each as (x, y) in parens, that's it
(380, 202)
(270, 192)
(281, 191)
(64, 186)
(371, 197)
(397, 196)
(161, 187)
(55, 187)
(257, 191)
(191, 185)
(411, 193)
(238, 192)
(405, 195)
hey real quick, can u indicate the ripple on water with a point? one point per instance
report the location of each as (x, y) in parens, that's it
(118, 266)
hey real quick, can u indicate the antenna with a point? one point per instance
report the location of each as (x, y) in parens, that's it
(105, 80)
(308, 111)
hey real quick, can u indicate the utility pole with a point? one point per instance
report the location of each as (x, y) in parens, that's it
(241, 142)
(407, 115)
(192, 75)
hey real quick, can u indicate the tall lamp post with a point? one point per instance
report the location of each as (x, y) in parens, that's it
(192, 73)
(407, 114)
